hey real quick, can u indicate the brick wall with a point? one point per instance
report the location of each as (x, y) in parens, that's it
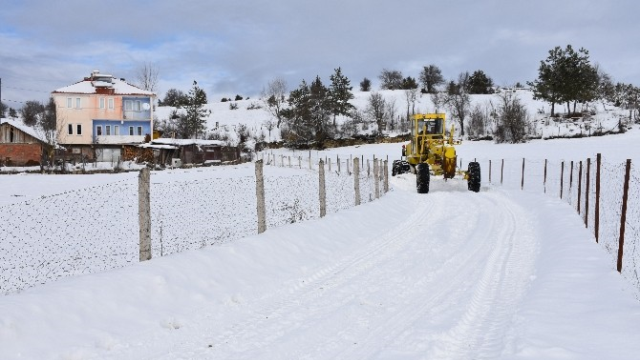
(20, 154)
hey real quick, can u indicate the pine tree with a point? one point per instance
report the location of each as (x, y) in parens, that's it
(365, 85)
(340, 92)
(479, 83)
(321, 107)
(196, 115)
(298, 114)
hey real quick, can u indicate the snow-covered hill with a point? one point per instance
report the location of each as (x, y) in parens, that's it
(253, 113)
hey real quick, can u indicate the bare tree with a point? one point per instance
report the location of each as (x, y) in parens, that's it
(390, 79)
(269, 124)
(274, 97)
(376, 111)
(513, 124)
(411, 96)
(147, 77)
(430, 78)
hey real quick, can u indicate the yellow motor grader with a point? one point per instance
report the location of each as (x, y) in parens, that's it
(431, 152)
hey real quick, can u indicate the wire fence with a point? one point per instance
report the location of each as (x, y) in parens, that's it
(595, 188)
(98, 228)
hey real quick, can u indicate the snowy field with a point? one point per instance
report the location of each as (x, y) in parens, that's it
(503, 273)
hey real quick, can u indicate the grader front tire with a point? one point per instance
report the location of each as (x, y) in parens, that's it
(422, 178)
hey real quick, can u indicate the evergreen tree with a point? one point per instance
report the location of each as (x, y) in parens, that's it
(321, 107)
(479, 83)
(3, 109)
(298, 114)
(409, 83)
(565, 76)
(196, 115)
(365, 85)
(340, 91)
(175, 98)
(13, 113)
(430, 78)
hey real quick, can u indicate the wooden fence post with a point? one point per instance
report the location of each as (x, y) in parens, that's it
(545, 176)
(144, 213)
(579, 185)
(522, 178)
(329, 161)
(571, 182)
(261, 208)
(597, 210)
(561, 178)
(502, 172)
(623, 215)
(489, 171)
(586, 194)
(322, 189)
(356, 179)
(338, 163)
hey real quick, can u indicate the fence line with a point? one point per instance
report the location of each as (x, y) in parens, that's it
(607, 202)
(111, 226)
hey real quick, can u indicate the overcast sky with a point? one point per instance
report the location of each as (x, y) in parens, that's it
(237, 47)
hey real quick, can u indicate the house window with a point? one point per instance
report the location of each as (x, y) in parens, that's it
(70, 129)
(69, 103)
(111, 104)
(99, 130)
(131, 130)
(101, 103)
(128, 105)
(140, 130)
(116, 130)
(77, 103)
(79, 129)
(107, 130)
(137, 106)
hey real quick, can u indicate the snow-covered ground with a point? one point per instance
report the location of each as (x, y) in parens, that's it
(448, 275)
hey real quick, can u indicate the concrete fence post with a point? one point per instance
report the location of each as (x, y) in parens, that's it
(261, 208)
(144, 213)
(386, 176)
(376, 178)
(356, 179)
(322, 189)
(329, 161)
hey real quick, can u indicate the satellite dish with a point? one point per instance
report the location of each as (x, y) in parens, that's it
(146, 106)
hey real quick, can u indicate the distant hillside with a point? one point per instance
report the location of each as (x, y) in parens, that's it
(253, 114)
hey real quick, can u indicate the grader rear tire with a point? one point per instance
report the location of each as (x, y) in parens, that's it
(473, 183)
(422, 178)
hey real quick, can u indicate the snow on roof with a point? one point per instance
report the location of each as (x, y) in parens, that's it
(184, 142)
(153, 146)
(90, 84)
(18, 124)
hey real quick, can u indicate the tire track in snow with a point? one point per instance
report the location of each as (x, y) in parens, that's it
(448, 279)
(480, 332)
(276, 305)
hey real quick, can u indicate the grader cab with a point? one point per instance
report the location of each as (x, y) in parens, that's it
(432, 152)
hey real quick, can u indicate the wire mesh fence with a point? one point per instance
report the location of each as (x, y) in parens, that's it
(96, 229)
(595, 189)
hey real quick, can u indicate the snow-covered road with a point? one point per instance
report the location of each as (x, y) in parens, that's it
(446, 275)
